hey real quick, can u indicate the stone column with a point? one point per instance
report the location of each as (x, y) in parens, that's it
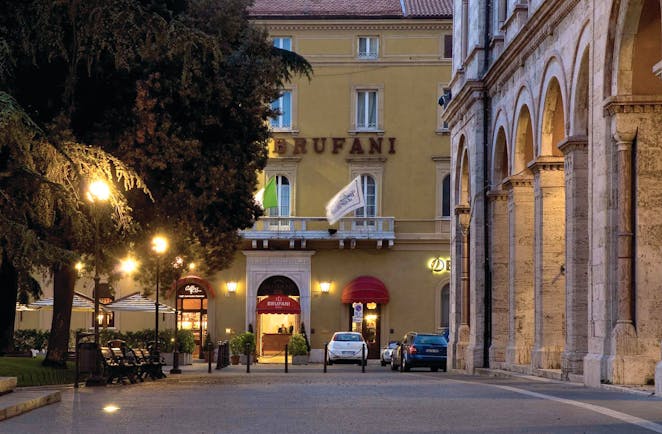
(520, 269)
(463, 216)
(576, 255)
(549, 261)
(499, 268)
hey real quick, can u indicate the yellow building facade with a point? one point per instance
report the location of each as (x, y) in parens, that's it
(370, 111)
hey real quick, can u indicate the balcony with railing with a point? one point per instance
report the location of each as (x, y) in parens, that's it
(305, 229)
(298, 232)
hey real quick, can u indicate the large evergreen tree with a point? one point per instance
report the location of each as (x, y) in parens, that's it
(177, 89)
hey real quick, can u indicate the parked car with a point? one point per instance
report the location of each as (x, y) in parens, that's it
(346, 347)
(424, 350)
(387, 351)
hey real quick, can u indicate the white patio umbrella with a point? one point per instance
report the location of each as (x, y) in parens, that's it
(81, 303)
(137, 303)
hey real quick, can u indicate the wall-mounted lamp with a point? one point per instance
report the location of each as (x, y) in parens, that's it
(232, 287)
(325, 287)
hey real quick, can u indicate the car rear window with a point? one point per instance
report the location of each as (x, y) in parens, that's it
(347, 337)
(430, 339)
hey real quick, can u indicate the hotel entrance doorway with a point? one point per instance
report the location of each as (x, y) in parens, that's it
(278, 314)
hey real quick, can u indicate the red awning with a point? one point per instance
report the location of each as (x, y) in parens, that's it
(278, 304)
(365, 289)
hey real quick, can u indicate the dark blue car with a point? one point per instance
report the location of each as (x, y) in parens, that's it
(420, 350)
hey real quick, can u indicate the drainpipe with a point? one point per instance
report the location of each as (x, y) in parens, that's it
(487, 338)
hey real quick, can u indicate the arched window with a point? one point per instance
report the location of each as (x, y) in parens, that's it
(283, 195)
(446, 197)
(370, 196)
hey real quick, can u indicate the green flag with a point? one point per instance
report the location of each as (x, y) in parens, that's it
(270, 199)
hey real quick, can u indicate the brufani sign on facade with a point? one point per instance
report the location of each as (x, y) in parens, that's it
(335, 145)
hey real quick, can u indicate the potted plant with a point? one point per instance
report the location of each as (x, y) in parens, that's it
(235, 349)
(246, 339)
(298, 349)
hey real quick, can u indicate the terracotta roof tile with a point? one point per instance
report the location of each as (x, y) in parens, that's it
(428, 8)
(324, 9)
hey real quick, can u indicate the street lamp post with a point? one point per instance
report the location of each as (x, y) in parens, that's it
(177, 265)
(98, 192)
(159, 245)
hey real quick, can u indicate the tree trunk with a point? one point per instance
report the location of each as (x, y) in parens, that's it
(64, 279)
(8, 293)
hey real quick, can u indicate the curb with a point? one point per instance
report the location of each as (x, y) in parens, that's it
(22, 401)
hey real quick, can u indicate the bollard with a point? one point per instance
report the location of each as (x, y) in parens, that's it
(363, 361)
(247, 350)
(210, 353)
(219, 355)
(326, 353)
(286, 358)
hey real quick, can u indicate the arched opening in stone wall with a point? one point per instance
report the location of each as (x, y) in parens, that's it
(523, 141)
(549, 233)
(500, 172)
(553, 121)
(580, 109)
(520, 242)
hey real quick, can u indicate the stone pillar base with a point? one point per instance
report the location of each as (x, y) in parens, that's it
(518, 355)
(635, 370)
(546, 358)
(595, 369)
(461, 348)
(624, 339)
(572, 362)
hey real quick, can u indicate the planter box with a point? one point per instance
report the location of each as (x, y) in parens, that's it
(184, 358)
(300, 360)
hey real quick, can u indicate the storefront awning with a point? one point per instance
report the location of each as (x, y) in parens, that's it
(278, 304)
(365, 289)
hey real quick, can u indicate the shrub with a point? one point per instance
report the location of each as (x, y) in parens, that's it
(27, 339)
(238, 343)
(297, 345)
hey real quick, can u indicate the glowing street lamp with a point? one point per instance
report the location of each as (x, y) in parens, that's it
(159, 245)
(98, 192)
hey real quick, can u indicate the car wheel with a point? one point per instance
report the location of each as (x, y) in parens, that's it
(329, 362)
(394, 367)
(405, 365)
(383, 363)
(434, 369)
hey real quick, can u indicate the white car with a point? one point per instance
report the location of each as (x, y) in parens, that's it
(347, 347)
(387, 353)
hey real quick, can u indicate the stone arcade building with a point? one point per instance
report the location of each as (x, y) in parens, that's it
(556, 121)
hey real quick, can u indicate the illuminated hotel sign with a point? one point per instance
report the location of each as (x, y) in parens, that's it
(439, 264)
(320, 145)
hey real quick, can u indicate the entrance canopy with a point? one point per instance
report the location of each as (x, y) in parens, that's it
(137, 303)
(278, 304)
(365, 289)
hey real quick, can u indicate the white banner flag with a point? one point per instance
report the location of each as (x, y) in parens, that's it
(347, 200)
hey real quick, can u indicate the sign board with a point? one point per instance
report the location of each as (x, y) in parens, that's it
(191, 290)
(357, 319)
(358, 311)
